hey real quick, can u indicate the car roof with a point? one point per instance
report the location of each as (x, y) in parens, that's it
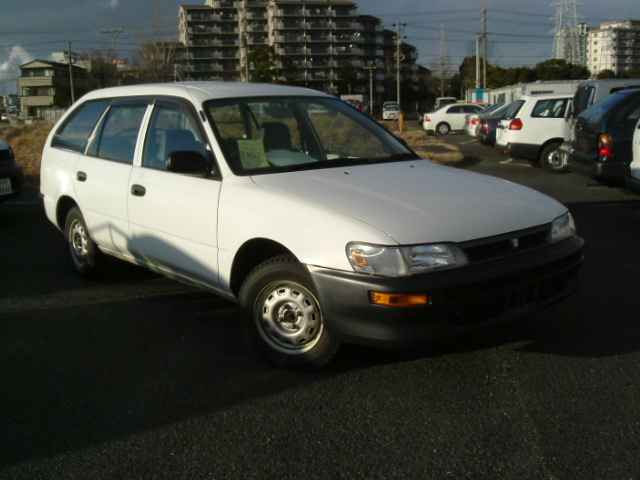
(555, 96)
(4, 145)
(202, 91)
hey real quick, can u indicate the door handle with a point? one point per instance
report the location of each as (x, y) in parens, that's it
(138, 190)
(81, 176)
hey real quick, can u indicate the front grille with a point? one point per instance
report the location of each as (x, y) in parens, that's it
(505, 245)
(481, 302)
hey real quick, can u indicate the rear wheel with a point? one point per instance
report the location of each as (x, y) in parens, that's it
(84, 253)
(287, 323)
(443, 129)
(553, 159)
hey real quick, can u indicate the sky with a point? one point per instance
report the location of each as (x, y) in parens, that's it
(520, 30)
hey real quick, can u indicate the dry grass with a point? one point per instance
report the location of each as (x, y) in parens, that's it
(431, 148)
(27, 142)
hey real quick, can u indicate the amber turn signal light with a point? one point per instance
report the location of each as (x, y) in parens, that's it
(398, 299)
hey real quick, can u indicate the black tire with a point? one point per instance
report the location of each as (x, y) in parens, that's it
(443, 129)
(86, 263)
(546, 161)
(262, 286)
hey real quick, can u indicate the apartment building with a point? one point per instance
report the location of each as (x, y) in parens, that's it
(323, 44)
(614, 45)
(44, 85)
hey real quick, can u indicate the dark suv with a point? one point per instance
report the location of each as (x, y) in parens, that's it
(11, 176)
(603, 140)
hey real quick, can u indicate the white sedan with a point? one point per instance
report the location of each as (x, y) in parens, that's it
(449, 118)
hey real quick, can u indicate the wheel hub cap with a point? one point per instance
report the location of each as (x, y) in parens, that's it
(79, 239)
(289, 318)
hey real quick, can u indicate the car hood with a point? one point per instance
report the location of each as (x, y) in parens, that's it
(417, 201)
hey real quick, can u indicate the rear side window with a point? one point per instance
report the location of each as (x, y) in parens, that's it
(512, 110)
(75, 131)
(119, 132)
(455, 110)
(550, 108)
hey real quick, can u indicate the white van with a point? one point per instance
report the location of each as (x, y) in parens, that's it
(320, 223)
(537, 130)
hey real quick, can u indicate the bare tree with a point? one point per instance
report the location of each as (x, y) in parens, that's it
(156, 61)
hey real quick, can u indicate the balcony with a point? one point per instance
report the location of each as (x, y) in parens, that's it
(256, 16)
(293, 51)
(348, 26)
(319, 51)
(318, 25)
(341, 12)
(316, 38)
(229, 18)
(319, 12)
(229, 31)
(205, 43)
(348, 51)
(203, 18)
(292, 25)
(292, 12)
(202, 30)
(225, 4)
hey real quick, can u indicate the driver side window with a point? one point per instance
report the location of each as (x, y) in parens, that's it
(172, 129)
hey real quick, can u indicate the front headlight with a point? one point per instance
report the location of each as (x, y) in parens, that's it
(403, 261)
(562, 228)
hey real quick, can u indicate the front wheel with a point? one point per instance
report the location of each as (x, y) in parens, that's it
(287, 323)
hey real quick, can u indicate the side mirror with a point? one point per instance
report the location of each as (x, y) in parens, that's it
(189, 162)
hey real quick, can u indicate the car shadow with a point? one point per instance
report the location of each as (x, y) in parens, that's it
(78, 374)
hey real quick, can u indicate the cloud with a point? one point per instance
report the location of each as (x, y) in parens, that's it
(113, 4)
(10, 68)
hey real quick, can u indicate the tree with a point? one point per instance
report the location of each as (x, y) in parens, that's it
(634, 73)
(104, 73)
(560, 70)
(262, 64)
(605, 74)
(156, 61)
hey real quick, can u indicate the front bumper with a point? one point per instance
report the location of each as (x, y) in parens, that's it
(460, 299)
(15, 175)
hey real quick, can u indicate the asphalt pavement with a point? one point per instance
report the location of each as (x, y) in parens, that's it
(135, 376)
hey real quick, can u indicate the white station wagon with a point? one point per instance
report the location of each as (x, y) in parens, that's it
(324, 226)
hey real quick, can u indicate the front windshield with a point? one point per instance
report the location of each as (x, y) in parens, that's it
(278, 134)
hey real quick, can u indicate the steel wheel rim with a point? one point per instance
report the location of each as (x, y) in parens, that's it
(79, 239)
(288, 318)
(555, 160)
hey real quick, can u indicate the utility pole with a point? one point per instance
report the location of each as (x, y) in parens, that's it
(372, 68)
(483, 26)
(71, 87)
(443, 58)
(477, 61)
(399, 28)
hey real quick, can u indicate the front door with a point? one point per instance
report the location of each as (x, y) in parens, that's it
(172, 216)
(102, 174)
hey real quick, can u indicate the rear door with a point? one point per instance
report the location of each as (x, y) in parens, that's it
(102, 174)
(173, 217)
(455, 117)
(622, 126)
(635, 165)
(546, 121)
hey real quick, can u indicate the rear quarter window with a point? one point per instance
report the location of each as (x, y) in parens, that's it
(550, 108)
(75, 131)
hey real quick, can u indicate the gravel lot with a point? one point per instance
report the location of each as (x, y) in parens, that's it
(134, 376)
